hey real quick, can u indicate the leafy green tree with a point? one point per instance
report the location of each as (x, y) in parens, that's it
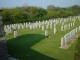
(27, 13)
(51, 7)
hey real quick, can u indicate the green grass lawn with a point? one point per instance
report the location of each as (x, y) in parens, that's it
(32, 44)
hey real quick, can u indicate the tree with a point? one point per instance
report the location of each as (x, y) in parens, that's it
(51, 7)
(75, 9)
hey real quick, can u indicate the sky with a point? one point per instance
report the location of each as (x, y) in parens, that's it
(39, 3)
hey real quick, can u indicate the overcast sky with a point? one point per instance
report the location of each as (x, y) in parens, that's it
(40, 3)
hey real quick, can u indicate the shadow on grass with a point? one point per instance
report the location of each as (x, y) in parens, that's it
(20, 47)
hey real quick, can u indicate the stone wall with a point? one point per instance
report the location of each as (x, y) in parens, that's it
(3, 46)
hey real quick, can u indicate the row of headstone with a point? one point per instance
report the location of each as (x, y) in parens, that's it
(34, 25)
(64, 20)
(40, 24)
(67, 26)
(37, 23)
(8, 31)
(68, 36)
(48, 26)
(44, 22)
(8, 28)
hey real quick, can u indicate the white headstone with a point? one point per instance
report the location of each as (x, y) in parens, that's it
(39, 25)
(26, 25)
(62, 28)
(65, 39)
(54, 30)
(42, 28)
(46, 33)
(7, 31)
(79, 28)
(54, 24)
(22, 26)
(18, 26)
(31, 27)
(51, 26)
(29, 23)
(15, 34)
(62, 41)
(73, 23)
(10, 30)
(69, 26)
(47, 26)
(76, 30)
(62, 23)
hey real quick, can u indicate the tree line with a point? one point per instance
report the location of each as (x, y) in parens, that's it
(33, 13)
